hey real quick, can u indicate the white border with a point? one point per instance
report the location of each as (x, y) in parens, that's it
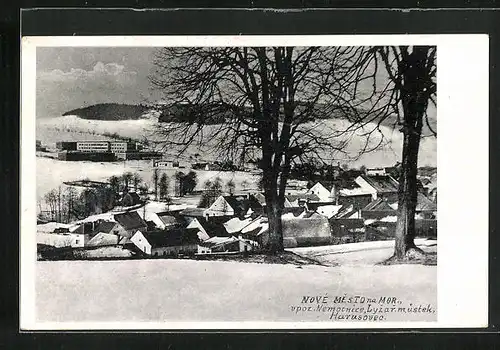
(462, 153)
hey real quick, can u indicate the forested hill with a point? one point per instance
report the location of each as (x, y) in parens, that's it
(110, 111)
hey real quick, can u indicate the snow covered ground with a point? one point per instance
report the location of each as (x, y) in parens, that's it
(51, 173)
(189, 290)
(358, 254)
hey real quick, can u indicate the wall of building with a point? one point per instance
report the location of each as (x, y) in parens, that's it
(141, 242)
(175, 250)
(90, 156)
(320, 191)
(93, 146)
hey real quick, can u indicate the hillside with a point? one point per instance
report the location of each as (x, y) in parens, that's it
(110, 111)
(212, 114)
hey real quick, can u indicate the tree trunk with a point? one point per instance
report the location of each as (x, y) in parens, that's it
(275, 244)
(407, 196)
(415, 100)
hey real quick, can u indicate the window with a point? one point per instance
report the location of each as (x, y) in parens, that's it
(77, 241)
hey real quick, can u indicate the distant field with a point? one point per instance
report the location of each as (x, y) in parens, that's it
(51, 173)
(50, 130)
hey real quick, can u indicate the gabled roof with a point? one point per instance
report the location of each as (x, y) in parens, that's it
(102, 239)
(302, 196)
(295, 211)
(171, 238)
(423, 204)
(168, 220)
(378, 205)
(214, 226)
(242, 203)
(193, 212)
(130, 220)
(105, 227)
(315, 205)
(381, 183)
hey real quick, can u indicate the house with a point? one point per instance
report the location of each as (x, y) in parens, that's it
(165, 220)
(325, 192)
(202, 231)
(210, 226)
(262, 200)
(300, 199)
(328, 210)
(227, 244)
(314, 230)
(189, 214)
(378, 186)
(103, 239)
(110, 227)
(168, 242)
(425, 209)
(81, 234)
(347, 230)
(234, 205)
(131, 222)
(165, 164)
(375, 172)
(378, 210)
(130, 199)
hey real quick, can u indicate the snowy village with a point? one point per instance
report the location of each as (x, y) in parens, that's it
(160, 209)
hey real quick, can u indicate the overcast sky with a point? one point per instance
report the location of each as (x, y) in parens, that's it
(73, 77)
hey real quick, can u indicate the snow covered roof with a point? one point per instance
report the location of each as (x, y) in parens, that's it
(52, 226)
(378, 205)
(358, 191)
(236, 225)
(381, 183)
(103, 239)
(328, 210)
(130, 220)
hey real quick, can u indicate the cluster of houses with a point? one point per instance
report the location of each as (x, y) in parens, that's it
(339, 211)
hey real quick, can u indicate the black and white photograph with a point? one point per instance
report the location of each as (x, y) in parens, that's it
(235, 182)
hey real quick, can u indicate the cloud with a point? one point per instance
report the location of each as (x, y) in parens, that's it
(59, 91)
(99, 71)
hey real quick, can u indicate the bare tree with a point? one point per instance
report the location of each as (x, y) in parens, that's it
(127, 179)
(114, 182)
(156, 177)
(136, 180)
(164, 186)
(409, 88)
(230, 185)
(179, 183)
(266, 102)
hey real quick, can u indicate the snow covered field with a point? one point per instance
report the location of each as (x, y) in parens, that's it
(359, 254)
(51, 173)
(188, 290)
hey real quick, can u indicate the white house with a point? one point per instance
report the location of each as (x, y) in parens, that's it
(202, 233)
(234, 205)
(167, 243)
(375, 172)
(378, 186)
(227, 244)
(323, 193)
